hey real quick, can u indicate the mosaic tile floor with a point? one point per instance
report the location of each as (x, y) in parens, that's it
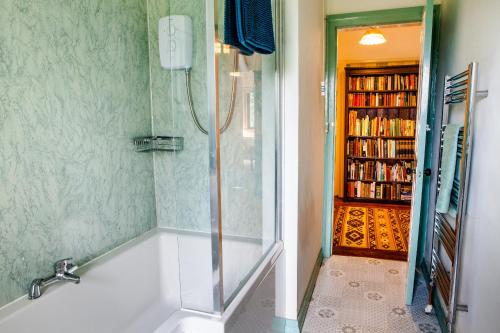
(364, 295)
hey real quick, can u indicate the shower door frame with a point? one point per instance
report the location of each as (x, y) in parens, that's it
(215, 162)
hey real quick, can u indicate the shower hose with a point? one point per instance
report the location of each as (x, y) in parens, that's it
(230, 112)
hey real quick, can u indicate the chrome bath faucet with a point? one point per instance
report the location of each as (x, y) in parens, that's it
(63, 273)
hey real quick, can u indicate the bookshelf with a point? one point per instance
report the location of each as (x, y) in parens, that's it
(380, 106)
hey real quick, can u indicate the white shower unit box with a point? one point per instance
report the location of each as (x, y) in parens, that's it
(175, 37)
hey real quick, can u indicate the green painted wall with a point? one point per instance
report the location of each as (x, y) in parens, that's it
(74, 90)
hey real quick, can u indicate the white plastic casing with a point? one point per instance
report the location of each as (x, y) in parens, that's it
(175, 35)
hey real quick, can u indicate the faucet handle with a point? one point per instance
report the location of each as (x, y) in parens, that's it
(65, 266)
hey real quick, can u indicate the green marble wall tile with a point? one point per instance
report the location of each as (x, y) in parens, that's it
(74, 90)
(182, 192)
(75, 80)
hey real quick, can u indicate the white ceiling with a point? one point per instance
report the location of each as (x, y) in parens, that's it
(403, 43)
(352, 6)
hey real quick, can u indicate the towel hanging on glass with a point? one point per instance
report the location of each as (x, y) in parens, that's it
(249, 26)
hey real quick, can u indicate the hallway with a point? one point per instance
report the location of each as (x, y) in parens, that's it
(354, 295)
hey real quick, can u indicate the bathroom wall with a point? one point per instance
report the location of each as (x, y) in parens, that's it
(311, 141)
(469, 32)
(303, 156)
(74, 90)
(181, 179)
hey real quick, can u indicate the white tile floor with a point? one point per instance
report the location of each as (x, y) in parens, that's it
(363, 295)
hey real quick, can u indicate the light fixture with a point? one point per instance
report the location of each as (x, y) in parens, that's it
(372, 36)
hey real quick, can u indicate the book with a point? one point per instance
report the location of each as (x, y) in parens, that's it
(390, 122)
(380, 132)
(379, 171)
(380, 148)
(372, 190)
(383, 82)
(382, 99)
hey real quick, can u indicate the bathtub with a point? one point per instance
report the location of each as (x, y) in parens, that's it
(143, 286)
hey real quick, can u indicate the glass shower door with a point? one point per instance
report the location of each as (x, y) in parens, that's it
(182, 177)
(218, 195)
(247, 105)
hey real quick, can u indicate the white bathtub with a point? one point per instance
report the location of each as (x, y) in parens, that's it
(142, 286)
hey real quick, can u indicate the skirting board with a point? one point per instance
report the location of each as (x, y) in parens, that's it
(283, 325)
(304, 306)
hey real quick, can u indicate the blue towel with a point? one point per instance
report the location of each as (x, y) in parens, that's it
(448, 168)
(249, 25)
(230, 28)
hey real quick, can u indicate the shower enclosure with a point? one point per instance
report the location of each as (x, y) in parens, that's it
(220, 193)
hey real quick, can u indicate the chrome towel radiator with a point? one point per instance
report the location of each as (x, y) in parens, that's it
(447, 237)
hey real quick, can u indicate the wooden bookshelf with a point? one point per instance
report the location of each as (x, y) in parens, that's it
(380, 109)
(381, 91)
(382, 181)
(382, 137)
(381, 158)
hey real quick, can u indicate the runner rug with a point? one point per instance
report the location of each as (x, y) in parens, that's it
(377, 232)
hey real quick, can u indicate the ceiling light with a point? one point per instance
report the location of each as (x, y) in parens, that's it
(372, 37)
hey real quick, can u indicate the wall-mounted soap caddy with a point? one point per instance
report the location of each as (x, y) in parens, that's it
(158, 143)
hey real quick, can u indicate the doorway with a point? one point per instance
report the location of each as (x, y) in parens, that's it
(335, 24)
(376, 109)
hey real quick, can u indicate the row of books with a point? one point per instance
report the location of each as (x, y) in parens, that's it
(382, 99)
(380, 171)
(382, 122)
(358, 189)
(380, 148)
(384, 82)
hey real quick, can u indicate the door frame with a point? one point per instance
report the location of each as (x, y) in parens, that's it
(392, 16)
(333, 23)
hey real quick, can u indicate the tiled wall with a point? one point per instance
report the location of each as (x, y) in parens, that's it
(75, 79)
(182, 191)
(74, 90)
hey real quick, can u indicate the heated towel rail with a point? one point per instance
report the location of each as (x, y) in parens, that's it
(446, 244)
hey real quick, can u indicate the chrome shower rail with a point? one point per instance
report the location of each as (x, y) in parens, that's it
(448, 230)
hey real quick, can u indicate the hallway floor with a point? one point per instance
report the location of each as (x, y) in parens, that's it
(365, 295)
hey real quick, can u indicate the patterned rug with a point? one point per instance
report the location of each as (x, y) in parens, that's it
(371, 231)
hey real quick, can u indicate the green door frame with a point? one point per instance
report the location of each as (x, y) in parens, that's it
(335, 22)
(431, 117)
